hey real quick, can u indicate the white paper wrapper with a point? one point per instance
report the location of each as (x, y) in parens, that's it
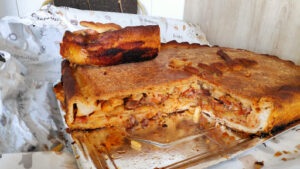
(29, 116)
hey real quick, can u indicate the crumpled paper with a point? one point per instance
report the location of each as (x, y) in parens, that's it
(30, 66)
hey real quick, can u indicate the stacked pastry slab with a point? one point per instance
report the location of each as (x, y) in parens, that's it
(104, 83)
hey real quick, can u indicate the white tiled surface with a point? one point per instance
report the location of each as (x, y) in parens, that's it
(19, 7)
(164, 8)
(38, 160)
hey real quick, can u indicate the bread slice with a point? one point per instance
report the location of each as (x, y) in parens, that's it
(131, 44)
(245, 91)
(123, 95)
(248, 92)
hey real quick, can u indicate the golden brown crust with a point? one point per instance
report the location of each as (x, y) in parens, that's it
(131, 44)
(254, 78)
(260, 80)
(125, 79)
(270, 80)
(100, 27)
(286, 101)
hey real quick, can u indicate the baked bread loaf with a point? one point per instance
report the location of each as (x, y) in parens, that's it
(245, 91)
(114, 46)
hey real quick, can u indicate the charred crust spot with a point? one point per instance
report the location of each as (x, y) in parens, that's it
(219, 101)
(180, 111)
(219, 65)
(210, 68)
(97, 102)
(290, 62)
(164, 125)
(70, 87)
(207, 114)
(260, 163)
(139, 54)
(232, 64)
(245, 62)
(276, 129)
(257, 109)
(74, 111)
(119, 56)
(91, 113)
(112, 52)
(285, 95)
(224, 56)
(105, 73)
(68, 130)
(57, 85)
(290, 88)
(236, 64)
(64, 64)
(287, 92)
(203, 66)
(191, 69)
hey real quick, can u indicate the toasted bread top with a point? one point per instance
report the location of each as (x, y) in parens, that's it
(253, 77)
(124, 79)
(269, 77)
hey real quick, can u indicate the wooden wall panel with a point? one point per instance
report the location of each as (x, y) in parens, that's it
(263, 26)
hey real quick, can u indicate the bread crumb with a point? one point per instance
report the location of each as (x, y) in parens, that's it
(105, 157)
(286, 159)
(226, 156)
(121, 151)
(136, 145)
(277, 154)
(196, 116)
(258, 164)
(115, 157)
(58, 148)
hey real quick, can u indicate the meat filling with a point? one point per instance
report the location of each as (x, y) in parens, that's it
(177, 99)
(148, 105)
(226, 107)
